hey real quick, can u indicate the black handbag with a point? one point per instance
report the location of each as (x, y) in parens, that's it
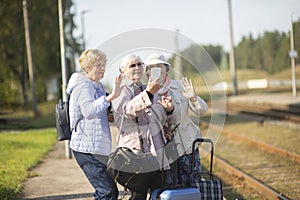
(131, 170)
(209, 187)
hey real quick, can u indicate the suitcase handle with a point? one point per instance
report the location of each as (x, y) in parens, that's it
(201, 140)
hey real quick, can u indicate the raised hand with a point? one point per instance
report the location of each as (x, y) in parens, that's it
(166, 102)
(154, 85)
(189, 91)
(117, 86)
(116, 91)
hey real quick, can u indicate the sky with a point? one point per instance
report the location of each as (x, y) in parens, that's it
(203, 21)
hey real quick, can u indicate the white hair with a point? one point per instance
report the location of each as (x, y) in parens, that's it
(128, 59)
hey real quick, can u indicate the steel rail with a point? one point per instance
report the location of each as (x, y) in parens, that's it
(267, 111)
(266, 191)
(262, 145)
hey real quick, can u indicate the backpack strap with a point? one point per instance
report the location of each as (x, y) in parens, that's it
(79, 119)
(77, 122)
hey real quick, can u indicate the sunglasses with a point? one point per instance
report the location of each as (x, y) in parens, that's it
(140, 64)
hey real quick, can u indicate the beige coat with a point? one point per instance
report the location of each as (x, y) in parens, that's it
(187, 131)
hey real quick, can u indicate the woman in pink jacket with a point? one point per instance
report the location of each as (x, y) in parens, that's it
(139, 119)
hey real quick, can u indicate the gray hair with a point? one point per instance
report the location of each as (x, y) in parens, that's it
(129, 59)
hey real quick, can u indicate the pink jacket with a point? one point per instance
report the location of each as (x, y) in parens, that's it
(141, 128)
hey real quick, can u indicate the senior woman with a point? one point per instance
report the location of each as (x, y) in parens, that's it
(91, 137)
(184, 99)
(134, 111)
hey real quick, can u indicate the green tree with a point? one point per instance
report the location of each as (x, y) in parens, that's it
(296, 28)
(282, 57)
(198, 56)
(257, 54)
(13, 76)
(245, 53)
(44, 32)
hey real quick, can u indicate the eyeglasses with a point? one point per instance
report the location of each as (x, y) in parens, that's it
(140, 64)
(100, 66)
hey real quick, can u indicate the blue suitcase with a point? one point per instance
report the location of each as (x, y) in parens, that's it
(175, 194)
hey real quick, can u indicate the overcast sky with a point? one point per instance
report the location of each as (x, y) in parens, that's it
(203, 21)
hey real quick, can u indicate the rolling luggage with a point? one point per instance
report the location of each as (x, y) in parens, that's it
(201, 188)
(210, 188)
(175, 194)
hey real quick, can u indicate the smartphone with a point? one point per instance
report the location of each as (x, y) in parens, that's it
(155, 72)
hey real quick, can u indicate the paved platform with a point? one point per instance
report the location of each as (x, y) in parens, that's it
(59, 178)
(276, 99)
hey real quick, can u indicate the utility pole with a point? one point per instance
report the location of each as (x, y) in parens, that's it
(293, 55)
(177, 58)
(232, 54)
(83, 28)
(63, 65)
(29, 59)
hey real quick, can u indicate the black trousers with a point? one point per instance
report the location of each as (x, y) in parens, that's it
(154, 183)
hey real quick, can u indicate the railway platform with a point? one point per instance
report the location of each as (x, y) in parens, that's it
(276, 99)
(58, 177)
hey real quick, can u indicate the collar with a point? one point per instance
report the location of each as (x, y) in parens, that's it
(166, 86)
(130, 83)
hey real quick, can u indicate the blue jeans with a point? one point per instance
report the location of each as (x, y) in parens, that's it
(95, 171)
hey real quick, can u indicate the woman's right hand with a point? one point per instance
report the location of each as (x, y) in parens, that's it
(154, 86)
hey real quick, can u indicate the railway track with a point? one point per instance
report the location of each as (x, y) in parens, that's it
(254, 183)
(273, 172)
(288, 113)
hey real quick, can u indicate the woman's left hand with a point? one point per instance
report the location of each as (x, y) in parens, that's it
(166, 102)
(110, 117)
(168, 135)
(116, 91)
(189, 91)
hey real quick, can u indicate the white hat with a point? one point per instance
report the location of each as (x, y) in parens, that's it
(156, 58)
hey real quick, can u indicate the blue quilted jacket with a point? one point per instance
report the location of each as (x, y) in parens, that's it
(92, 133)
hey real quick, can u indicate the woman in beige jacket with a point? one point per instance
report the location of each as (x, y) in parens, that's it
(186, 131)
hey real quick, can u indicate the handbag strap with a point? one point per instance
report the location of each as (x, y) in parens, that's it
(151, 110)
(163, 139)
(120, 130)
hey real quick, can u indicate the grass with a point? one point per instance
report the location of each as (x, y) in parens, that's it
(19, 152)
(22, 119)
(24, 140)
(270, 132)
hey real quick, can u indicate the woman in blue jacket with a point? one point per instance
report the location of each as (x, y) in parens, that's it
(91, 138)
